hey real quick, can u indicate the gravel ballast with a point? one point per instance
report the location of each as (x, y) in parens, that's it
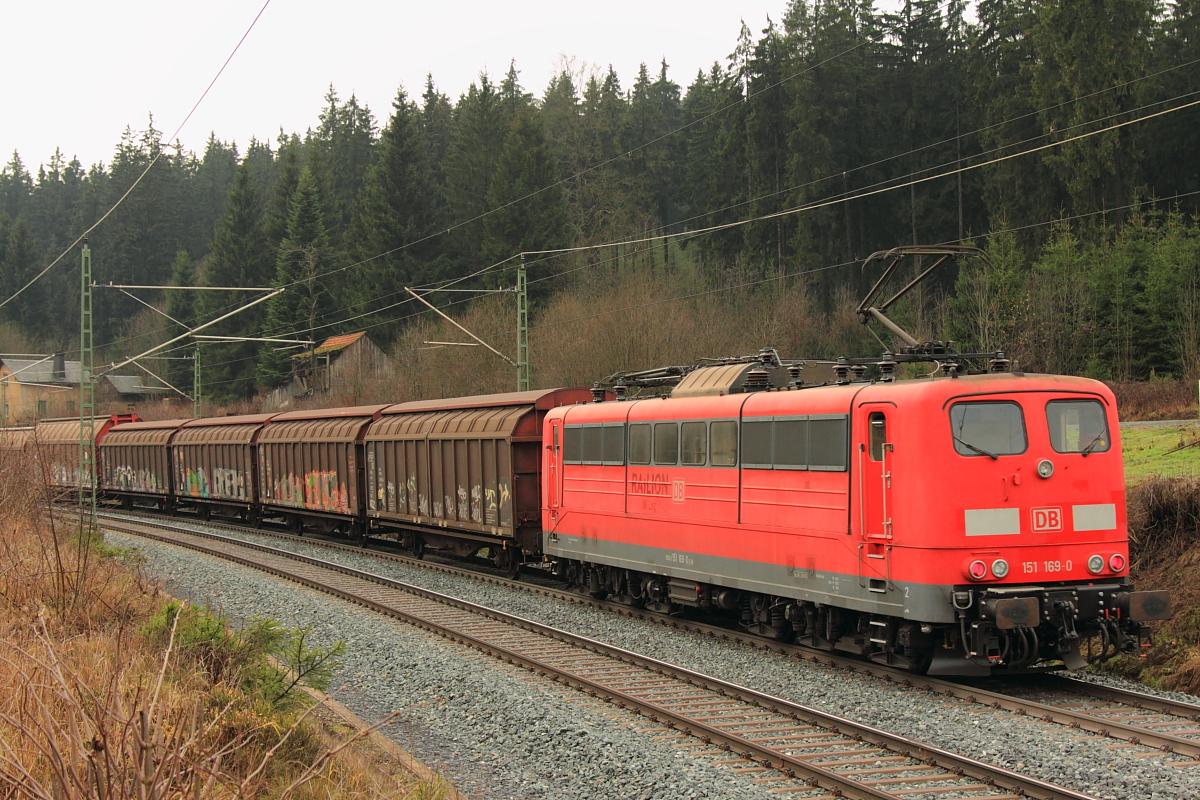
(497, 732)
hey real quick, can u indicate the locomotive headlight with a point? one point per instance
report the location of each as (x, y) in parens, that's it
(999, 567)
(1096, 564)
(1045, 468)
(1116, 562)
(977, 570)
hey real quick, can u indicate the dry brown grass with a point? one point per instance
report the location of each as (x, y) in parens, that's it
(1156, 399)
(93, 704)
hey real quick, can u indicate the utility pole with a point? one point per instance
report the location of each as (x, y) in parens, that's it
(522, 329)
(196, 383)
(87, 395)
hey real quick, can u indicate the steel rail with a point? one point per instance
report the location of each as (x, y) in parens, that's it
(770, 757)
(1075, 719)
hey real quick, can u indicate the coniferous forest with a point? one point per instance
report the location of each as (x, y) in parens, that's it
(872, 130)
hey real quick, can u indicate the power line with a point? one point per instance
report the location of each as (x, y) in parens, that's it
(174, 136)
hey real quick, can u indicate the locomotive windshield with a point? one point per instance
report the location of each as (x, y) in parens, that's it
(1077, 426)
(988, 429)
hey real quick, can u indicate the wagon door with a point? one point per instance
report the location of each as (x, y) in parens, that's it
(874, 460)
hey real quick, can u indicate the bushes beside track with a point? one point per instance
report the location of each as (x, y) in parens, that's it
(110, 689)
(1164, 552)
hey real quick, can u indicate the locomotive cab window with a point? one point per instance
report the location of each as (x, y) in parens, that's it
(666, 443)
(639, 443)
(877, 433)
(988, 428)
(1077, 426)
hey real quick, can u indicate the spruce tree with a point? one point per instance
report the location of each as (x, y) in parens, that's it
(240, 257)
(181, 306)
(526, 174)
(397, 209)
(479, 139)
(301, 264)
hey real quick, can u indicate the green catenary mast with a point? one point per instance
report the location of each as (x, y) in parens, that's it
(87, 395)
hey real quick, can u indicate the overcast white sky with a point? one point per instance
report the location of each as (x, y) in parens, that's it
(80, 72)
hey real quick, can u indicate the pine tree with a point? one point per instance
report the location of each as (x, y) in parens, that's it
(397, 209)
(1088, 53)
(181, 306)
(436, 124)
(303, 261)
(1000, 68)
(18, 267)
(214, 177)
(141, 238)
(479, 138)
(16, 185)
(525, 173)
(240, 257)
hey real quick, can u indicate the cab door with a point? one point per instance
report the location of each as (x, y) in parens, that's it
(554, 470)
(875, 462)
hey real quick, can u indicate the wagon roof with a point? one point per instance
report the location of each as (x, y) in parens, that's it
(538, 398)
(329, 413)
(241, 419)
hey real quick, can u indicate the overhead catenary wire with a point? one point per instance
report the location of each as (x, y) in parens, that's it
(836, 199)
(866, 40)
(149, 166)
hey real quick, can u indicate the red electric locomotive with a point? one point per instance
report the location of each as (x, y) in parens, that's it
(958, 524)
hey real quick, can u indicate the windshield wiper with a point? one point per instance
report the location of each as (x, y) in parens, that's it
(1085, 451)
(978, 450)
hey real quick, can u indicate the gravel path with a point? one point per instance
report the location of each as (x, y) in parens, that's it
(533, 728)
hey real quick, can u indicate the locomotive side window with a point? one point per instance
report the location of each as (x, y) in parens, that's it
(639, 443)
(694, 443)
(988, 429)
(791, 443)
(756, 444)
(1077, 426)
(877, 426)
(722, 443)
(817, 442)
(573, 444)
(614, 444)
(593, 444)
(827, 443)
(666, 443)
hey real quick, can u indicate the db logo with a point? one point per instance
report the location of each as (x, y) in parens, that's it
(677, 491)
(1047, 519)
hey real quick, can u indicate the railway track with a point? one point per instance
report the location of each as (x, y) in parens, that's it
(795, 749)
(1131, 718)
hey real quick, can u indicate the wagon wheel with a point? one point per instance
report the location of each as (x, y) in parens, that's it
(418, 548)
(512, 569)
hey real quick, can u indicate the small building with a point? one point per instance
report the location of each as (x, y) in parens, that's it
(46, 388)
(349, 365)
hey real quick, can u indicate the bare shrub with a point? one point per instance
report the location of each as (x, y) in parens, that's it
(1156, 399)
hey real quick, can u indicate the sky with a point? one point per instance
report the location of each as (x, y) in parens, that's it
(84, 71)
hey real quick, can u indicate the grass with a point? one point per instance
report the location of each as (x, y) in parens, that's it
(1171, 451)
